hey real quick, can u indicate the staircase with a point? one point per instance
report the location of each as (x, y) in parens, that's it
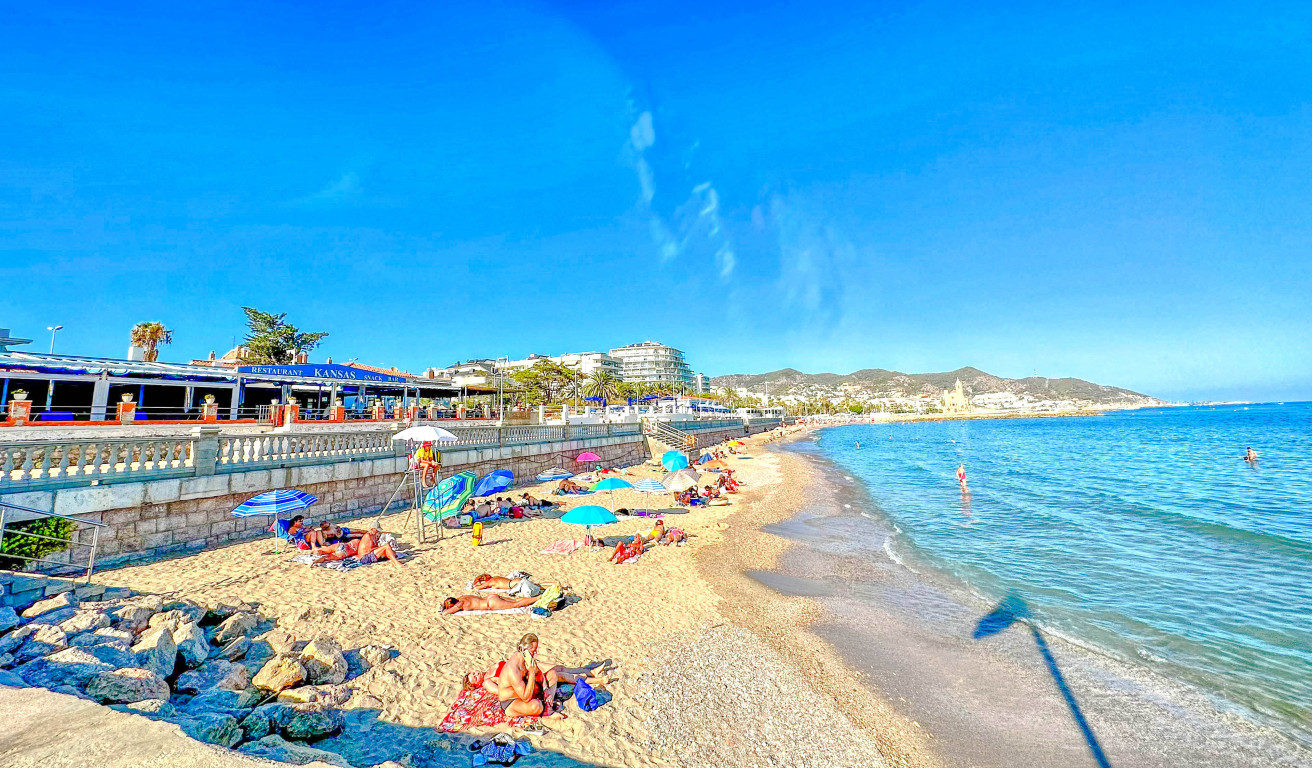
(661, 437)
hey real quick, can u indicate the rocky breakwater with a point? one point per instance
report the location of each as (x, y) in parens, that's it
(222, 673)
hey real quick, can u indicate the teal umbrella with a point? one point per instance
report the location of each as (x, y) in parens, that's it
(610, 484)
(588, 516)
(673, 461)
(449, 496)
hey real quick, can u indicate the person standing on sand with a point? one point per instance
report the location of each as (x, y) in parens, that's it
(961, 477)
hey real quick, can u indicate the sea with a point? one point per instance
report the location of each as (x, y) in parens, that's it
(1140, 542)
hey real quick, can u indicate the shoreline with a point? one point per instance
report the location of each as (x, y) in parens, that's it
(990, 703)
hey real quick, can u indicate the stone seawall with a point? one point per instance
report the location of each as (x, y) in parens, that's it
(145, 520)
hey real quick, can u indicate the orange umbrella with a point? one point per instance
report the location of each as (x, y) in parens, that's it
(717, 464)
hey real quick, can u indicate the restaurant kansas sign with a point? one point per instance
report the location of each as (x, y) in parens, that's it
(323, 371)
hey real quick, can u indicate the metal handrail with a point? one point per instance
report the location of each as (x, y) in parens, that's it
(93, 546)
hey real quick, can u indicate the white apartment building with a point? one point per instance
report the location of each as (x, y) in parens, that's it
(584, 362)
(701, 384)
(652, 361)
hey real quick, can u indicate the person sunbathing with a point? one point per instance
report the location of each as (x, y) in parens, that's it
(329, 535)
(484, 603)
(366, 549)
(625, 550)
(516, 585)
(569, 486)
(532, 502)
(525, 690)
(662, 535)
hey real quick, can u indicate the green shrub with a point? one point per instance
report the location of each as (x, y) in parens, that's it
(15, 543)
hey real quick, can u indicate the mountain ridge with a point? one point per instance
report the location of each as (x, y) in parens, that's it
(868, 383)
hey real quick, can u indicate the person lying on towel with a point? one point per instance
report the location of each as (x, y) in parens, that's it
(489, 603)
(532, 502)
(569, 486)
(368, 549)
(517, 584)
(627, 550)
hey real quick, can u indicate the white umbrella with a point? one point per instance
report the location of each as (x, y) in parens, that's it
(425, 434)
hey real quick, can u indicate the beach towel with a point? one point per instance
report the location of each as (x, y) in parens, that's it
(563, 547)
(522, 609)
(548, 597)
(479, 708)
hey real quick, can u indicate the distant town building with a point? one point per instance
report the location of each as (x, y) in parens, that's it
(653, 362)
(954, 400)
(586, 363)
(701, 384)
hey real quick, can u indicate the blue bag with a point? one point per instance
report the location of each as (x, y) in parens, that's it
(585, 697)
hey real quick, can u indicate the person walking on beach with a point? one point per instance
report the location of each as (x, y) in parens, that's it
(961, 477)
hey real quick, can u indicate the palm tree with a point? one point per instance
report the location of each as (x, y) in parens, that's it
(149, 336)
(604, 384)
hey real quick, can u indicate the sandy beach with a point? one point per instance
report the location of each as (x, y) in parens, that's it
(713, 668)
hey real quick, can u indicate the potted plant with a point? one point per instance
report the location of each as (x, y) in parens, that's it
(127, 397)
(209, 399)
(19, 394)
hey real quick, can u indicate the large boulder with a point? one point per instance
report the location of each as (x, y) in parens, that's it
(11, 679)
(8, 619)
(276, 748)
(72, 667)
(7, 660)
(236, 650)
(131, 618)
(213, 728)
(114, 654)
(58, 602)
(266, 719)
(220, 612)
(235, 703)
(179, 612)
(39, 640)
(279, 640)
(279, 674)
(101, 636)
(192, 645)
(156, 709)
(84, 621)
(217, 675)
(235, 626)
(306, 724)
(11, 641)
(124, 686)
(324, 662)
(320, 695)
(157, 652)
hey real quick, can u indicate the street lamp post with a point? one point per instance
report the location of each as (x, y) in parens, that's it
(53, 330)
(501, 391)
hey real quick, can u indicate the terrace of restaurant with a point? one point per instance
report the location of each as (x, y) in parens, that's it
(67, 388)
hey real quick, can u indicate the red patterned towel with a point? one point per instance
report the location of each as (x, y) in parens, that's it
(479, 708)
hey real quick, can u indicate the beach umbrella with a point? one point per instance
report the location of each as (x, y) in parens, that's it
(449, 496)
(588, 516)
(650, 485)
(681, 480)
(705, 457)
(737, 443)
(717, 464)
(425, 434)
(495, 481)
(587, 456)
(555, 473)
(610, 484)
(276, 503)
(673, 461)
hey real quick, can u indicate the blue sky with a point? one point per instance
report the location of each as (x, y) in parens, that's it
(1122, 194)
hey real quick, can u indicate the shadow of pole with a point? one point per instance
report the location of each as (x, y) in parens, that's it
(1013, 609)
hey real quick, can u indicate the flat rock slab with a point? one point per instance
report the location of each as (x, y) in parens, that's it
(128, 685)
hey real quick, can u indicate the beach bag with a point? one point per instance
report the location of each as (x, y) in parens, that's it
(503, 749)
(465, 520)
(585, 697)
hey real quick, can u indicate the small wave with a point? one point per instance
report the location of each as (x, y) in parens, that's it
(888, 550)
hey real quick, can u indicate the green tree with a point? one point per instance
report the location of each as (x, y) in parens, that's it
(272, 340)
(150, 336)
(604, 384)
(545, 383)
(16, 543)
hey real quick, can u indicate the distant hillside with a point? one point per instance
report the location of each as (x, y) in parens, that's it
(877, 382)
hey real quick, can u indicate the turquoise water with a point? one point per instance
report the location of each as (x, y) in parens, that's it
(1141, 534)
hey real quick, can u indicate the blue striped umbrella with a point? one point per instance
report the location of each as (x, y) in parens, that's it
(555, 473)
(648, 485)
(276, 503)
